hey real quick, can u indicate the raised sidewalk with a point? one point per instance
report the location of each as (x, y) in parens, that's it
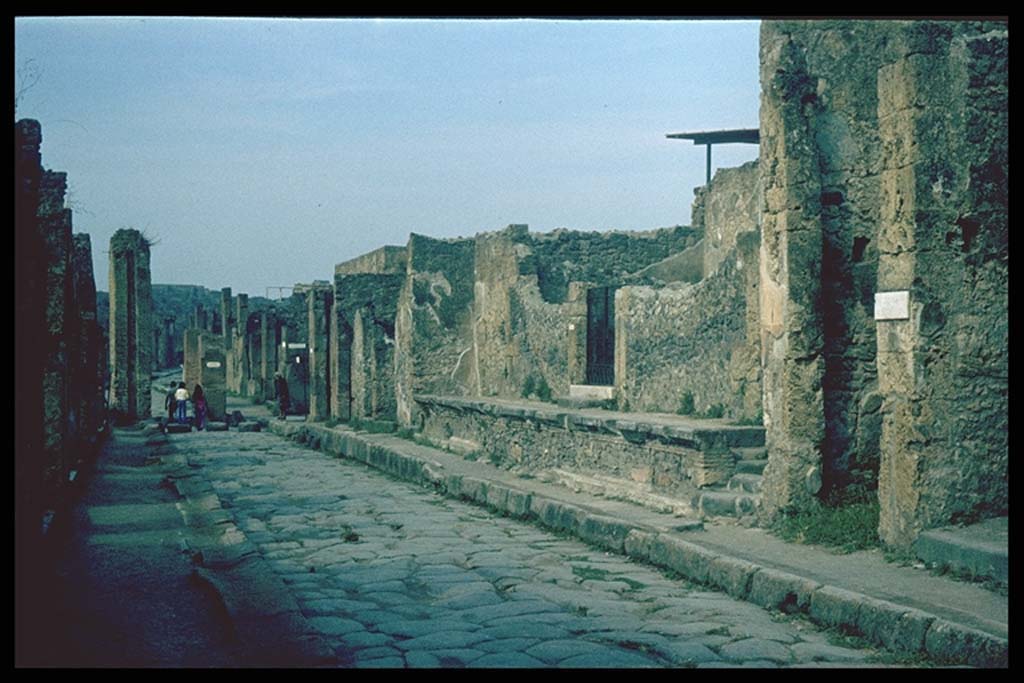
(901, 608)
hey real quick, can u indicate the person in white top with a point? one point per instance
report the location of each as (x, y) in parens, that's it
(181, 396)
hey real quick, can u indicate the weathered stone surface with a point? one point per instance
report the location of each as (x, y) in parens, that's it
(131, 348)
(956, 643)
(774, 589)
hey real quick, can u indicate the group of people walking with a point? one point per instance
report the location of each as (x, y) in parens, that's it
(177, 405)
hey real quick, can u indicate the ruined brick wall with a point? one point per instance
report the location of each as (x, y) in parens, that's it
(698, 340)
(130, 326)
(832, 132)
(433, 325)
(319, 305)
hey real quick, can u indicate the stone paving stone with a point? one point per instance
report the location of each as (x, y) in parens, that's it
(449, 659)
(526, 629)
(413, 628)
(764, 631)
(756, 649)
(672, 628)
(514, 644)
(382, 663)
(507, 660)
(489, 613)
(609, 659)
(391, 599)
(819, 652)
(554, 651)
(365, 639)
(681, 653)
(442, 640)
(476, 599)
(371, 653)
(334, 626)
(754, 664)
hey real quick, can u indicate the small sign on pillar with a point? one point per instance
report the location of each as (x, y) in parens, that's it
(892, 305)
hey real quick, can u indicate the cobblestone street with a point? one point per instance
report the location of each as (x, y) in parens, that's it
(393, 575)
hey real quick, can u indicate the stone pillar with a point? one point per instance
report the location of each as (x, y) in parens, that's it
(193, 358)
(319, 300)
(228, 333)
(790, 279)
(341, 363)
(212, 374)
(266, 343)
(241, 345)
(576, 324)
(86, 378)
(130, 324)
(255, 351)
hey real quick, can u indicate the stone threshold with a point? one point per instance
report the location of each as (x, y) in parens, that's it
(698, 434)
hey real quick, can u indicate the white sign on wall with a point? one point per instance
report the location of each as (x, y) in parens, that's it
(892, 305)
(213, 363)
(297, 345)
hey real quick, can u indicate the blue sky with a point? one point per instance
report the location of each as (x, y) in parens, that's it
(262, 152)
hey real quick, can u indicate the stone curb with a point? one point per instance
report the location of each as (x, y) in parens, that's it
(892, 626)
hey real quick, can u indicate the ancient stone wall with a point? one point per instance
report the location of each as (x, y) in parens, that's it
(388, 259)
(860, 121)
(433, 326)
(943, 368)
(564, 256)
(130, 325)
(365, 308)
(692, 347)
(89, 368)
(730, 207)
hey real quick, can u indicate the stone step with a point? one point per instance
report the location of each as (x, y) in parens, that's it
(726, 503)
(745, 483)
(754, 453)
(751, 466)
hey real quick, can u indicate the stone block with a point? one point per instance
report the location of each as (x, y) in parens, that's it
(956, 643)
(690, 560)
(216, 426)
(249, 427)
(832, 606)
(731, 575)
(606, 532)
(774, 589)
(177, 428)
(637, 544)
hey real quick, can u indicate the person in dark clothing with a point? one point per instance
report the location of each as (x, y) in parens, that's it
(171, 403)
(281, 389)
(199, 406)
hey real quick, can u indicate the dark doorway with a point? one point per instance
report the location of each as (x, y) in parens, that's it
(296, 373)
(601, 336)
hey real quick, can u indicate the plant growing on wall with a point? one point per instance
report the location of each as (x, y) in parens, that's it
(686, 406)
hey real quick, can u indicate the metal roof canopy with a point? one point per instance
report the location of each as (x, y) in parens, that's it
(711, 137)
